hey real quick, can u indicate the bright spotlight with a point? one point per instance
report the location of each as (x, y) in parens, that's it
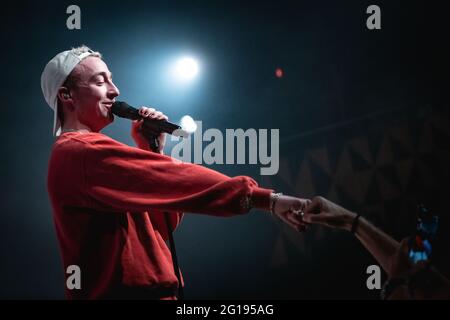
(185, 69)
(188, 124)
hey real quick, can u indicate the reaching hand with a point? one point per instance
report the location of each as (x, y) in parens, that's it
(289, 210)
(324, 212)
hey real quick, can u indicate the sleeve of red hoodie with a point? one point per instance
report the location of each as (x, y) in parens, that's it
(120, 177)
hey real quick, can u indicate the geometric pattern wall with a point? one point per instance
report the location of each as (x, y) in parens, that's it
(382, 173)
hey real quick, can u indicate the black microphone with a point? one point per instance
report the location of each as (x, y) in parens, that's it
(124, 110)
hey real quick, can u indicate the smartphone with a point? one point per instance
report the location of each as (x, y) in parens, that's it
(420, 246)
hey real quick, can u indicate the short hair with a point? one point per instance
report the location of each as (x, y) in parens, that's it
(71, 79)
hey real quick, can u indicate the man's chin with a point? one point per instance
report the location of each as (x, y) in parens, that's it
(109, 117)
(107, 120)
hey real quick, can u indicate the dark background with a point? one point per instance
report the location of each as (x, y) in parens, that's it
(363, 118)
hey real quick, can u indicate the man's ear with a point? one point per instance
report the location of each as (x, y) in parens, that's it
(65, 98)
(64, 95)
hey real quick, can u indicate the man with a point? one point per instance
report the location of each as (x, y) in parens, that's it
(109, 199)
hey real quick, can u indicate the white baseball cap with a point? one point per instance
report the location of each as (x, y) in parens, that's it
(55, 74)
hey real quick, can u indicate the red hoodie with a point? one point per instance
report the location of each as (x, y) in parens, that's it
(108, 201)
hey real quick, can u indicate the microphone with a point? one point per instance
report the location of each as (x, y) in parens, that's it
(154, 127)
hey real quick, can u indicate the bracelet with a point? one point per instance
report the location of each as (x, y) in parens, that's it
(355, 223)
(273, 200)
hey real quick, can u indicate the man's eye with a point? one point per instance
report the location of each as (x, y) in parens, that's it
(99, 83)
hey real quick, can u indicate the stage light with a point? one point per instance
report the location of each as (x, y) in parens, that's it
(279, 73)
(188, 124)
(185, 69)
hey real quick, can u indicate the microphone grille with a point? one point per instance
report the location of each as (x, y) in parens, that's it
(124, 110)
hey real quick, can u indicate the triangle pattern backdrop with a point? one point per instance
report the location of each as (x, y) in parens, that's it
(383, 173)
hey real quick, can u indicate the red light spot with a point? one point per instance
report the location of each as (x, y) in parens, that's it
(279, 73)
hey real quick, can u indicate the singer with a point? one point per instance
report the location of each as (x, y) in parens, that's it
(109, 200)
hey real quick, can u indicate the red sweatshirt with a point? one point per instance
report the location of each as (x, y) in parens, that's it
(108, 201)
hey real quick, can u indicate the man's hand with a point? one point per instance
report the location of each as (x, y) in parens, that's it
(289, 210)
(140, 134)
(324, 212)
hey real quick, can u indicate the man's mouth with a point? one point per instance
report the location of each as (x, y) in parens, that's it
(108, 106)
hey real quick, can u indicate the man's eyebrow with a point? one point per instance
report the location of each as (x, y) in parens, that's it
(103, 73)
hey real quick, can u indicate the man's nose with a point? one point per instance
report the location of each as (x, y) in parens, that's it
(113, 91)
